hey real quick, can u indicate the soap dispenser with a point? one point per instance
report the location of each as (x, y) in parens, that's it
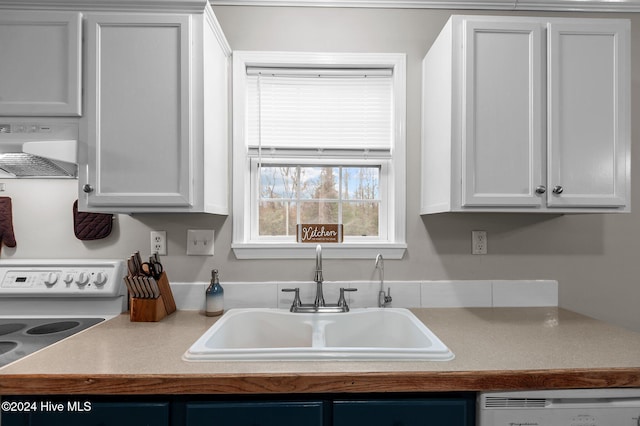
(214, 296)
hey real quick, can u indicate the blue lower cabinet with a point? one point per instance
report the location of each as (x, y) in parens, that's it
(267, 413)
(330, 410)
(87, 413)
(401, 412)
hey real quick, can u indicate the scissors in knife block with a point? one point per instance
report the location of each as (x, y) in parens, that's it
(152, 268)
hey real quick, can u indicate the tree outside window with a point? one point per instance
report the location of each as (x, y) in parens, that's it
(295, 194)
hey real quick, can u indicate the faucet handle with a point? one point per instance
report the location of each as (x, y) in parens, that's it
(342, 302)
(296, 298)
(384, 298)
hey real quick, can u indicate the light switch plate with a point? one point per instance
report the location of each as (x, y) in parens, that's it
(200, 242)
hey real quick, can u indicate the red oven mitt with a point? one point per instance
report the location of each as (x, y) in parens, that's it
(91, 226)
(6, 223)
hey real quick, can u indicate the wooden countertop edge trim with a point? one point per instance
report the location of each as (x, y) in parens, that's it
(338, 382)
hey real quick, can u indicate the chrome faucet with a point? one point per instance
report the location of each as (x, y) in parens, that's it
(318, 305)
(383, 298)
(319, 301)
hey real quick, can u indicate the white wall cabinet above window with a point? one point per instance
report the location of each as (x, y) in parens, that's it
(40, 55)
(530, 115)
(157, 114)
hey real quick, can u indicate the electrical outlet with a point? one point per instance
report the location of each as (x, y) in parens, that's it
(200, 242)
(159, 242)
(478, 242)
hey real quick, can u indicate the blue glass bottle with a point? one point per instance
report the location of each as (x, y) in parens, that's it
(214, 296)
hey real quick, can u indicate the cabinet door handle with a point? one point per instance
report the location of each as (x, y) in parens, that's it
(541, 189)
(558, 189)
(87, 188)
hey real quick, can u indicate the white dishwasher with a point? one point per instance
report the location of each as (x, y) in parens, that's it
(575, 407)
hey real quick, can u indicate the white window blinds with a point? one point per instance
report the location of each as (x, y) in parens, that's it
(333, 109)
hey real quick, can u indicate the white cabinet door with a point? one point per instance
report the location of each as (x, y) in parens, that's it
(40, 63)
(527, 114)
(502, 145)
(588, 92)
(139, 136)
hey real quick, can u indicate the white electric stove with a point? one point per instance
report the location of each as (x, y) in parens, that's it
(44, 301)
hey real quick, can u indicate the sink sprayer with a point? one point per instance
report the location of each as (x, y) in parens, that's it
(383, 298)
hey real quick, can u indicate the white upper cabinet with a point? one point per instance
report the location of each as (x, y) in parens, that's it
(526, 115)
(139, 75)
(40, 63)
(502, 158)
(157, 114)
(588, 115)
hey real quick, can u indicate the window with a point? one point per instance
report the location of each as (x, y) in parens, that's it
(296, 193)
(318, 138)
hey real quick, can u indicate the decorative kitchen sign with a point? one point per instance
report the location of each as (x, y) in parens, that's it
(319, 233)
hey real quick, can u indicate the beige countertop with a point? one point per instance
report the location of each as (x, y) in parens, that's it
(495, 349)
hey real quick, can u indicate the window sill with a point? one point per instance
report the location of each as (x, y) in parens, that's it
(329, 251)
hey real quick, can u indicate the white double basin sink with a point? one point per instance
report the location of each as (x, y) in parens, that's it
(360, 334)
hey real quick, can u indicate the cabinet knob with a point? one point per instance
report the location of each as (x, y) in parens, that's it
(558, 189)
(87, 188)
(541, 189)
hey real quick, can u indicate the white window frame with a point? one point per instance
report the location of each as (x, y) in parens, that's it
(243, 246)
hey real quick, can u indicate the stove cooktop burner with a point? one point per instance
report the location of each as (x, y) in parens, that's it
(54, 327)
(7, 346)
(10, 328)
(21, 337)
(43, 301)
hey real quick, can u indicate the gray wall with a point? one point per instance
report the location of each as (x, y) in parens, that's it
(595, 258)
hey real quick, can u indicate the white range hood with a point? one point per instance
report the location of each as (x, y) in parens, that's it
(37, 150)
(60, 150)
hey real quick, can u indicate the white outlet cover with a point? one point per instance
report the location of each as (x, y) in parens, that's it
(200, 242)
(159, 242)
(479, 242)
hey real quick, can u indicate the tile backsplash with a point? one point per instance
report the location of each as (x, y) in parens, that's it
(406, 294)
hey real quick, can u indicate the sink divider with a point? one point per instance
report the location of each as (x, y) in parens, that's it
(318, 335)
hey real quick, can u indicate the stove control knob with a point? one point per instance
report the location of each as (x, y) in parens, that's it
(100, 279)
(51, 279)
(82, 279)
(68, 278)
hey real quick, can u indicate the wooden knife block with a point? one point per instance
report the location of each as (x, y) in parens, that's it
(153, 310)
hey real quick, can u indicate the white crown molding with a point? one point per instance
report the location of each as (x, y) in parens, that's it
(197, 6)
(186, 6)
(580, 5)
(393, 4)
(542, 5)
(212, 21)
